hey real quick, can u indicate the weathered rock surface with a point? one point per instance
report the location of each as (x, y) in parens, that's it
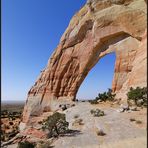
(99, 28)
(120, 131)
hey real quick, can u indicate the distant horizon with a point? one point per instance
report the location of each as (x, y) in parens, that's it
(11, 102)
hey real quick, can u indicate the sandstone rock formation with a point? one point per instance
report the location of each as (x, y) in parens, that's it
(99, 28)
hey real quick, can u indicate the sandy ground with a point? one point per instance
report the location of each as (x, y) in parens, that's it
(120, 131)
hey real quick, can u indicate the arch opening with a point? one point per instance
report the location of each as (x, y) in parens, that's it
(99, 78)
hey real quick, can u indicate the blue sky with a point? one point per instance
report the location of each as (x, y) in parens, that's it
(31, 30)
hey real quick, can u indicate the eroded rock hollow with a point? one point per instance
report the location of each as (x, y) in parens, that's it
(99, 28)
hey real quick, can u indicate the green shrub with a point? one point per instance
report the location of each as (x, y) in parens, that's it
(93, 101)
(56, 124)
(103, 97)
(92, 111)
(25, 144)
(106, 96)
(97, 113)
(138, 96)
(78, 122)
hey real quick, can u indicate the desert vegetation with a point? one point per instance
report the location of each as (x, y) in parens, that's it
(97, 112)
(103, 97)
(10, 119)
(136, 121)
(44, 144)
(137, 96)
(11, 115)
(78, 121)
(40, 144)
(55, 125)
(25, 144)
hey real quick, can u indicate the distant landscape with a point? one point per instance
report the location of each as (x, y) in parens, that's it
(11, 113)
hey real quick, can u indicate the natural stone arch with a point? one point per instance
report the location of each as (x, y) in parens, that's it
(118, 43)
(92, 33)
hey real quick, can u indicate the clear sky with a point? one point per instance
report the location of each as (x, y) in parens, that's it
(31, 30)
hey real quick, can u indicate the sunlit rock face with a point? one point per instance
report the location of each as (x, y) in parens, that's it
(99, 28)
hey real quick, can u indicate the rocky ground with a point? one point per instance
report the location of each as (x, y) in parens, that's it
(122, 129)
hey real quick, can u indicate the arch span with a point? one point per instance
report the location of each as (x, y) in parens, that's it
(92, 34)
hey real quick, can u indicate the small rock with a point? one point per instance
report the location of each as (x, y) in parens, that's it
(140, 102)
(126, 107)
(121, 110)
(64, 107)
(145, 96)
(28, 136)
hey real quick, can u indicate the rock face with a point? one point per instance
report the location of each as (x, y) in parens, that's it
(99, 28)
